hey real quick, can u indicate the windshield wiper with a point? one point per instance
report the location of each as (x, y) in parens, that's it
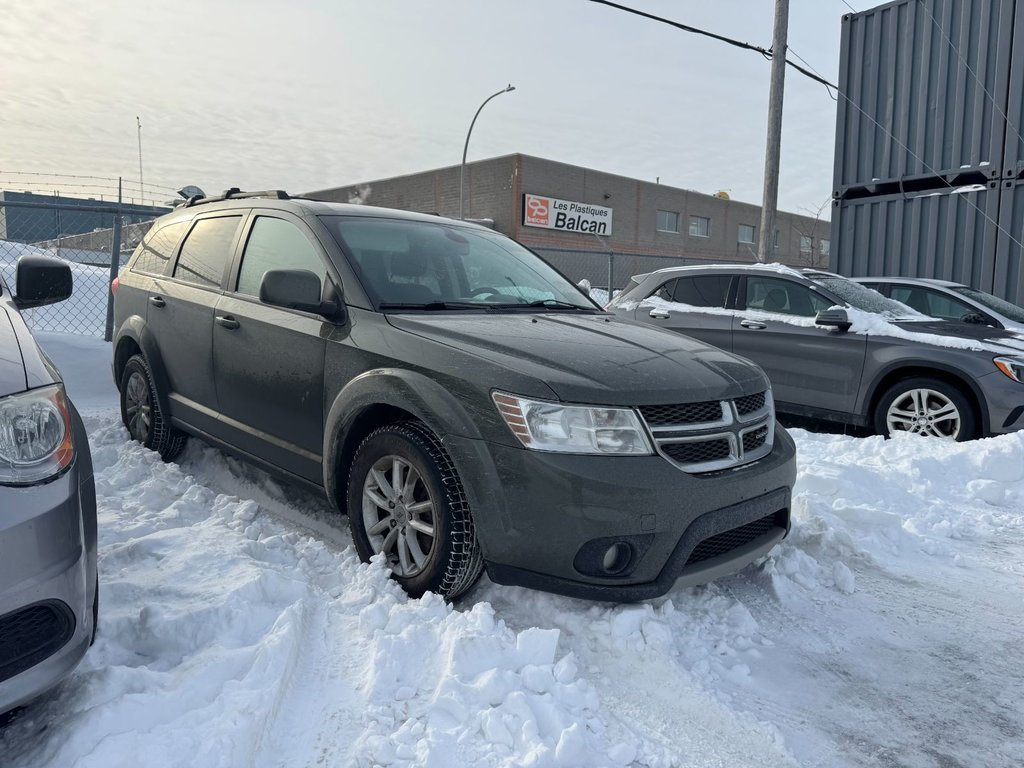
(433, 306)
(554, 304)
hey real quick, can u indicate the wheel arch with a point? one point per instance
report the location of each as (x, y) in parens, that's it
(134, 338)
(920, 369)
(377, 398)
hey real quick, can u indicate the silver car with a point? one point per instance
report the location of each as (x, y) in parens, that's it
(949, 301)
(48, 576)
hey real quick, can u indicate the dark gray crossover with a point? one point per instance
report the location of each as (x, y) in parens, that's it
(48, 585)
(836, 350)
(467, 406)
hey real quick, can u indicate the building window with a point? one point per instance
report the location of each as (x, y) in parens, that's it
(826, 247)
(745, 233)
(667, 221)
(806, 244)
(700, 226)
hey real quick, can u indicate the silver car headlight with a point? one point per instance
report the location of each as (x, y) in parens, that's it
(1011, 366)
(546, 426)
(35, 436)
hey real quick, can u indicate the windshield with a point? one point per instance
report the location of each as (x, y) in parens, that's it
(861, 297)
(437, 266)
(1005, 308)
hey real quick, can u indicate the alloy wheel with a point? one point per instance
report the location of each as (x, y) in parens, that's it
(138, 407)
(924, 412)
(398, 514)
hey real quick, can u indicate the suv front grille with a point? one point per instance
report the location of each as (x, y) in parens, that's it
(698, 452)
(29, 635)
(713, 435)
(749, 404)
(720, 543)
(686, 413)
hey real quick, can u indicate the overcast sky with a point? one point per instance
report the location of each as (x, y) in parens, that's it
(306, 95)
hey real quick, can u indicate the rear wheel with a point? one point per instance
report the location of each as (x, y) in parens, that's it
(926, 406)
(406, 500)
(141, 414)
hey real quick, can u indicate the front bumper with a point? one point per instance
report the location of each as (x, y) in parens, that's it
(1004, 404)
(547, 520)
(47, 578)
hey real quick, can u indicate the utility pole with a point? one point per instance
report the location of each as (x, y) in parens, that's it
(142, 190)
(770, 198)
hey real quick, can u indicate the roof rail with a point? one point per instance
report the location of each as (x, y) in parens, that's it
(234, 194)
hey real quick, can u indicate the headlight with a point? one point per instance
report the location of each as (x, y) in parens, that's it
(545, 426)
(35, 436)
(1012, 367)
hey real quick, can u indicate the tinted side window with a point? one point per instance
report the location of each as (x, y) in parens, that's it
(703, 290)
(206, 251)
(276, 244)
(784, 297)
(666, 290)
(931, 303)
(157, 248)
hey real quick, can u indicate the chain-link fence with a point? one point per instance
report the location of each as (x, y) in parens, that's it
(89, 238)
(601, 268)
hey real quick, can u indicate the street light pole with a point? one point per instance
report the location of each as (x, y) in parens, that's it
(465, 149)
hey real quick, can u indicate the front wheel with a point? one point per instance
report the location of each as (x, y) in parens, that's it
(926, 406)
(406, 500)
(141, 413)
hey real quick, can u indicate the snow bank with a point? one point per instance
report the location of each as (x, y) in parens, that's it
(230, 639)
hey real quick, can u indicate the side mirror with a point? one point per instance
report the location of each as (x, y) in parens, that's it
(833, 318)
(295, 289)
(41, 280)
(974, 319)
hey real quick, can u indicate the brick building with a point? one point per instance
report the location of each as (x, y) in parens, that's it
(590, 224)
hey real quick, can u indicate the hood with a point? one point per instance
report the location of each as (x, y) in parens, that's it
(598, 359)
(12, 365)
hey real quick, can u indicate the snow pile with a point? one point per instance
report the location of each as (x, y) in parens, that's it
(889, 502)
(225, 635)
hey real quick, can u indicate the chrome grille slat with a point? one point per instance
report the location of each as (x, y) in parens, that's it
(713, 435)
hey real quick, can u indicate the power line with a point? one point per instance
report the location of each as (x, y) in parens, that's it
(766, 52)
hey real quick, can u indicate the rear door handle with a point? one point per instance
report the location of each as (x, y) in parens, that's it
(157, 301)
(659, 314)
(754, 325)
(226, 321)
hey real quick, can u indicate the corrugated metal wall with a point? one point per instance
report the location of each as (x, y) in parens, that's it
(934, 234)
(924, 88)
(929, 164)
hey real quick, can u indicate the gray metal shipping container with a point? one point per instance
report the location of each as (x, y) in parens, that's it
(1013, 157)
(946, 234)
(1008, 278)
(924, 92)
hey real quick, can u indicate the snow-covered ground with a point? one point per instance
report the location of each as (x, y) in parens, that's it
(238, 628)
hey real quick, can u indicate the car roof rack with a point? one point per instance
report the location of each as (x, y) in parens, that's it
(236, 194)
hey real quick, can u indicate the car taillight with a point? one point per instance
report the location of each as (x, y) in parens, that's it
(113, 285)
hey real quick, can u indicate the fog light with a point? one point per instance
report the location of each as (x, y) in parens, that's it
(617, 557)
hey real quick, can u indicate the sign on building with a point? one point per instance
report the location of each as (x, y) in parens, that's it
(566, 215)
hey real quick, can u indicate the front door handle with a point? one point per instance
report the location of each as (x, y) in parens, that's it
(226, 321)
(754, 325)
(659, 314)
(157, 301)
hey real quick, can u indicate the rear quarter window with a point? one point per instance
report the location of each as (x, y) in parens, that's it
(157, 249)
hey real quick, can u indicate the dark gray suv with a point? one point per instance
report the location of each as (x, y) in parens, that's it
(462, 401)
(836, 350)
